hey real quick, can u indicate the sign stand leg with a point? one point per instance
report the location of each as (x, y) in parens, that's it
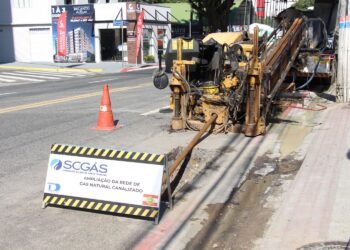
(156, 221)
(43, 205)
(169, 203)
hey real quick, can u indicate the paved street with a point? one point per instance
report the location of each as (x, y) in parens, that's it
(245, 147)
(36, 115)
(16, 77)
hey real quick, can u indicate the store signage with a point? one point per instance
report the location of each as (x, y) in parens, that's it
(139, 25)
(132, 8)
(119, 23)
(61, 34)
(73, 33)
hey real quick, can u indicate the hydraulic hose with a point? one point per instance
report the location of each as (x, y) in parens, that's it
(312, 76)
(319, 59)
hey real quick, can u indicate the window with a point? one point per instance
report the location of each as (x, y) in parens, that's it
(68, 2)
(39, 29)
(21, 3)
(147, 42)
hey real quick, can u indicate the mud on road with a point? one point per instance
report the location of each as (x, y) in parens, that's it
(236, 223)
(240, 222)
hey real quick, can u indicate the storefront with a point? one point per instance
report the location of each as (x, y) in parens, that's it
(82, 33)
(114, 32)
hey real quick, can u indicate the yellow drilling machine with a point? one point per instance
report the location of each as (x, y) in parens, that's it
(232, 78)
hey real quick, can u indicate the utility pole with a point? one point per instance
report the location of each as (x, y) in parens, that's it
(343, 76)
(191, 16)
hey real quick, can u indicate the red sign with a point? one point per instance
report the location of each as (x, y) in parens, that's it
(260, 7)
(61, 34)
(139, 25)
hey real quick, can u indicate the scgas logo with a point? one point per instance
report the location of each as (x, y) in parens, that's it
(86, 167)
(56, 164)
(53, 187)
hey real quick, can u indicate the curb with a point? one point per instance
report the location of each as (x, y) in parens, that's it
(124, 70)
(52, 69)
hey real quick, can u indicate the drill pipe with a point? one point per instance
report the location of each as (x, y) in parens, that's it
(190, 146)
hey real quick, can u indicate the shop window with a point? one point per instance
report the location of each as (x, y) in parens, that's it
(21, 3)
(147, 43)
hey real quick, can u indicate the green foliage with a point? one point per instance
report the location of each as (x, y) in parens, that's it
(164, 1)
(304, 4)
(148, 58)
(213, 14)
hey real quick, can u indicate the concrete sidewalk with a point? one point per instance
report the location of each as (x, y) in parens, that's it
(103, 67)
(315, 211)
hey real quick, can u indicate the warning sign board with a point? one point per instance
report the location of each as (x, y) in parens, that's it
(104, 180)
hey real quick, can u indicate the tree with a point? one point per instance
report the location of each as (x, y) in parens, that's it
(215, 12)
(164, 1)
(304, 4)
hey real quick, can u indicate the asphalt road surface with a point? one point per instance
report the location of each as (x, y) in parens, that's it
(36, 115)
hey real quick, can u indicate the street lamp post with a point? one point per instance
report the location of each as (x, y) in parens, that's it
(190, 23)
(190, 28)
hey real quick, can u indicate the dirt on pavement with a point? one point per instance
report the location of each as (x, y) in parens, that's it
(241, 221)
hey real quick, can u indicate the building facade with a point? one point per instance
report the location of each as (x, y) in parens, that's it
(28, 33)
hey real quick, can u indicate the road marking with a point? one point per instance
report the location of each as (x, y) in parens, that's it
(66, 99)
(104, 80)
(156, 111)
(10, 93)
(6, 80)
(34, 75)
(129, 111)
(57, 69)
(80, 74)
(64, 75)
(19, 78)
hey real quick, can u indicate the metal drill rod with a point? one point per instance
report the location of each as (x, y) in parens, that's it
(190, 145)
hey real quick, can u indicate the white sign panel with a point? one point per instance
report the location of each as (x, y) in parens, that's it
(128, 182)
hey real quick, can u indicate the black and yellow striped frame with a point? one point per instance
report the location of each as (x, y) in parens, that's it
(99, 206)
(108, 154)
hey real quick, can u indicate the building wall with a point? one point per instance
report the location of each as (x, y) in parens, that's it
(18, 21)
(7, 50)
(25, 27)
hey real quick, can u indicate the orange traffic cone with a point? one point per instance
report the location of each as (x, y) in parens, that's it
(105, 116)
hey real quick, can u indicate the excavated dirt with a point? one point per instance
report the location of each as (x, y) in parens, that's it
(238, 222)
(192, 167)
